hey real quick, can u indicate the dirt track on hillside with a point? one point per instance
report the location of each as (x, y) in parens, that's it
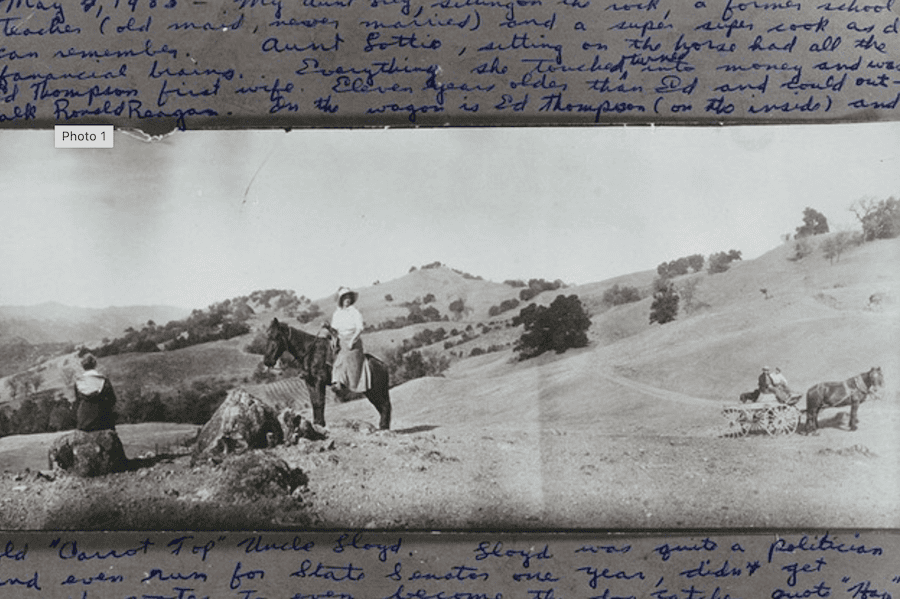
(672, 470)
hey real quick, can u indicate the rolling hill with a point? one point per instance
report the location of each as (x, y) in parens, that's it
(53, 322)
(624, 433)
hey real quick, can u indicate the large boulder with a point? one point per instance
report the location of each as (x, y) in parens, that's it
(241, 423)
(88, 454)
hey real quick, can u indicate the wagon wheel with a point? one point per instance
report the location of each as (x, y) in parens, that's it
(738, 425)
(783, 420)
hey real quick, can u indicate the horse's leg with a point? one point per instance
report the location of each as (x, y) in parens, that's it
(379, 395)
(317, 399)
(854, 407)
(812, 414)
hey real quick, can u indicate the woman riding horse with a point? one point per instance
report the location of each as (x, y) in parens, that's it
(314, 355)
(351, 370)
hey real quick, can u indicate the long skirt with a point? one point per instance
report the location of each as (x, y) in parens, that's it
(351, 369)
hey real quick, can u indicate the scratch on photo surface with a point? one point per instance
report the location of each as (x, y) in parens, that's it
(253, 178)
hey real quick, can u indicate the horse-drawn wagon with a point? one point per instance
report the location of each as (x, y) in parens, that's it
(771, 417)
(778, 415)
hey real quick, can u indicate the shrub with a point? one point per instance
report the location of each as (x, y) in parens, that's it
(389, 297)
(616, 295)
(514, 282)
(802, 249)
(560, 326)
(258, 344)
(665, 303)
(837, 244)
(504, 306)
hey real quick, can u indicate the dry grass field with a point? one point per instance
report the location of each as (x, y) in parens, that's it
(627, 433)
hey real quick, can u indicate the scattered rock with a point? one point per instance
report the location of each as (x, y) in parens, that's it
(89, 454)
(358, 426)
(853, 450)
(295, 427)
(241, 423)
(250, 476)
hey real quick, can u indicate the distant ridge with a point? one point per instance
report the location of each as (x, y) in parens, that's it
(53, 322)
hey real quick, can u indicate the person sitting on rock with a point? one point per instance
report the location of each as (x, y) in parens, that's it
(95, 398)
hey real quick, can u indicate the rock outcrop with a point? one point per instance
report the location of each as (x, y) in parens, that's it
(241, 423)
(88, 454)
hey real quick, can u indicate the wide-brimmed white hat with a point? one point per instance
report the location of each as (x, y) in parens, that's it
(345, 291)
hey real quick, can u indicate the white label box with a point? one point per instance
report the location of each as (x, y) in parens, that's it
(83, 136)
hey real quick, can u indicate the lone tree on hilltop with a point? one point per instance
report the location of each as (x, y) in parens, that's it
(814, 223)
(665, 302)
(560, 326)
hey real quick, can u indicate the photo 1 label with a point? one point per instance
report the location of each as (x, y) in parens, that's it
(83, 136)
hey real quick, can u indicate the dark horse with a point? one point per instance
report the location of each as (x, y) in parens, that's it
(853, 391)
(313, 353)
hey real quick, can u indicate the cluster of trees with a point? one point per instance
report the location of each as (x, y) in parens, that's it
(415, 364)
(480, 351)
(436, 264)
(681, 266)
(721, 261)
(24, 383)
(880, 219)
(50, 411)
(287, 299)
(42, 412)
(618, 295)
(560, 326)
(193, 403)
(504, 306)
(537, 286)
(222, 320)
(312, 312)
(416, 315)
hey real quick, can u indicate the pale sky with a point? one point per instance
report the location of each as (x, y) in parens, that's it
(200, 217)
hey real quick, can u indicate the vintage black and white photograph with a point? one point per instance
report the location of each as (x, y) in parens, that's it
(618, 328)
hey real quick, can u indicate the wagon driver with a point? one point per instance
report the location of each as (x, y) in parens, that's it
(351, 370)
(765, 385)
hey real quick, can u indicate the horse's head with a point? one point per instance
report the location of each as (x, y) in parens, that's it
(276, 342)
(875, 380)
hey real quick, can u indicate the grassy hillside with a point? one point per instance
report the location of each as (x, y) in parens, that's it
(814, 320)
(816, 325)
